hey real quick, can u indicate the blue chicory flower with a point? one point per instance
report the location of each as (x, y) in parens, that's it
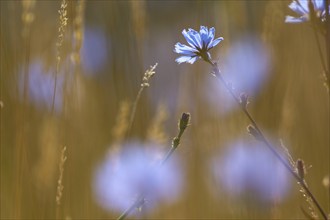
(199, 45)
(134, 169)
(245, 168)
(40, 85)
(301, 8)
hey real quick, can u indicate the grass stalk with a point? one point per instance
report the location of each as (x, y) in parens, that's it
(61, 30)
(145, 83)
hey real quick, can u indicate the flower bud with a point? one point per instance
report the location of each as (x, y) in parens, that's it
(184, 121)
(254, 132)
(244, 99)
(300, 166)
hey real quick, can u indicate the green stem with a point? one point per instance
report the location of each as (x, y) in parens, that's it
(132, 116)
(301, 181)
(138, 203)
(141, 198)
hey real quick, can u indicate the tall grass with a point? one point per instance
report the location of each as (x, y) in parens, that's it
(104, 48)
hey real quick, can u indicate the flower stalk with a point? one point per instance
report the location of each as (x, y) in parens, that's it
(140, 201)
(199, 46)
(258, 134)
(316, 12)
(322, 58)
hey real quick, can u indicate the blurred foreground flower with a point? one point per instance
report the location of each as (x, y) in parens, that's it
(94, 51)
(247, 168)
(40, 85)
(250, 76)
(302, 8)
(200, 43)
(133, 170)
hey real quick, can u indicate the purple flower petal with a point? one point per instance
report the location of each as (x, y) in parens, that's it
(184, 49)
(193, 60)
(290, 19)
(183, 59)
(189, 38)
(215, 43)
(302, 9)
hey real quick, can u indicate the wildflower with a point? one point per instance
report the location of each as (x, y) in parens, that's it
(306, 9)
(93, 52)
(245, 168)
(200, 44)
(133, 171)
(40, 84)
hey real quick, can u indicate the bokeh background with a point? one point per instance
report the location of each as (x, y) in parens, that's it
(107, 46)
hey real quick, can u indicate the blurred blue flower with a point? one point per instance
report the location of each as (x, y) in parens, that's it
(94, 51)
(246, 168)
(301, 8)
(200, 43)
(249, 76)
(40, 85)
(132, 170)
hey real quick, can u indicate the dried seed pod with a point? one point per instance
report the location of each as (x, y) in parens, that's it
(301, 170)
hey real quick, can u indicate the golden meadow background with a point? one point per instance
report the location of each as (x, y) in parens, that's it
(124, 38)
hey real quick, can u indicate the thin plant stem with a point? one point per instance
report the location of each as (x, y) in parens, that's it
(145, 83)
(132, 116)
(138, 203)
(327, 37)
(183, 124)
(326, 72)
(61, 31)
(172, 149)
(263, 139)
(315, 23)
(55, 86)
